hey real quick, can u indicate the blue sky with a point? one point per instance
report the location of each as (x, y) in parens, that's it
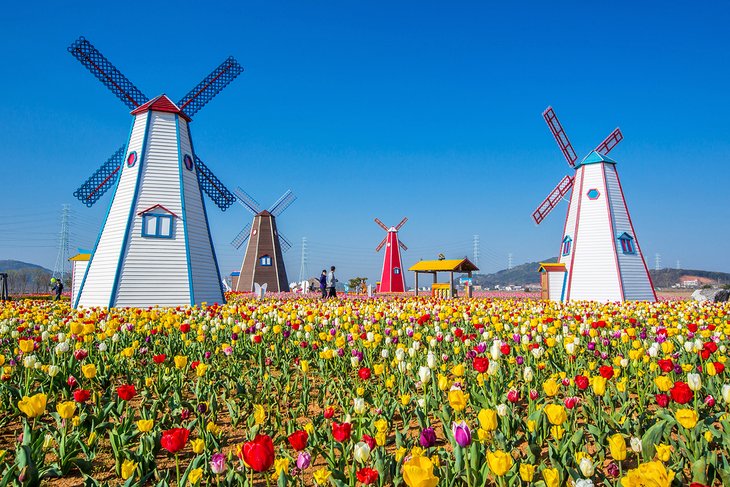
(430, 110)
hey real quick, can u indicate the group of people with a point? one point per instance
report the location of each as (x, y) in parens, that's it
(328, 283)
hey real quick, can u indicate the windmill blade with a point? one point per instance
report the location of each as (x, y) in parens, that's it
(284, 243)
(382, 225)
(563, 188)
(103, 179)
(402, 222)
(402, 245)
(377, 249)
(213, 186)
(247, 201)
(610, 142)
(207, 89)
(282, 203)
(107, 73)
(242, 236)
(560, 136)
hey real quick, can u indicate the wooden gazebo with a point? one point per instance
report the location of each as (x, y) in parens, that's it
(443, 265)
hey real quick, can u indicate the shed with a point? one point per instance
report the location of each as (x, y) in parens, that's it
(552, 280)
(443, 265)
(79, 263)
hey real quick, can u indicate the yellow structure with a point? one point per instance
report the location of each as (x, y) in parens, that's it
(443, 265)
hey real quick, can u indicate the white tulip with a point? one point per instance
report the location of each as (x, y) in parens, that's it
(359, 405)
(53, 370)
(586, 467)
(424, 373)
(354, 361)
(102, 347)
(694, 381)
(361, 452)
(528, 374)
(502, 410)
(431, 360)
(493, 368)
(726, 393)
(636, 444)
(400, 354)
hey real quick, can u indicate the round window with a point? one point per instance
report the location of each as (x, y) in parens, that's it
(188, 162)
(132, 158)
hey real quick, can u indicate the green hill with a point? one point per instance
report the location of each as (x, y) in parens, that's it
(16, 265)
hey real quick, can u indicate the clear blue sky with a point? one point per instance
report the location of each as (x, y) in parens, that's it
(365, 109)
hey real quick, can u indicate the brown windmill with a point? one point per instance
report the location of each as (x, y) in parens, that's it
(263, 262)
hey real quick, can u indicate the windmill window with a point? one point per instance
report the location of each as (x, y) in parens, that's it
(567, 244)
(156, 225)
(627, 243)
(265, 261)
(188, 162)
(396, 270)
(132, 159)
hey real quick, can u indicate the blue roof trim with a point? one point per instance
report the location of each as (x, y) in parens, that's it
(595, 158)
(625, 236)
(103, 224)
(207, 226)
(567, 239)
(130, 219)
(565, 282)
(184, 214)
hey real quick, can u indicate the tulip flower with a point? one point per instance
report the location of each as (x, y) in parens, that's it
(551, 476)
(651, 473)
(89, 371)
(304, 459)
(259, 453)
(418, 472)
(427, 438)
(322, 475)
(298, 440)
(341, 432)
(66, 410)
(126, 392)
(499, 462)
(586, 467)
(218, 463)
(686, 417)
(128, 468)
(462, 433)
(367, 476)
(361, 452)
(174, 440)
(145, 425)
(617, 445)
(457, 399)
(33, 406)
(556, 414)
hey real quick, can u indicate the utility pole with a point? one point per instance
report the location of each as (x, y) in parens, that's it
(304, 268)
(475, 253)
(677, 264)
(657, 261)
(59, 269)
(509, 261)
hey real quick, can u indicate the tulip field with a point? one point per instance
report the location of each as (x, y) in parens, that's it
(400, 391)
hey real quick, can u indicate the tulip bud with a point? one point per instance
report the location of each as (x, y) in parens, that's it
(694, 381)
(586, 467)
(636, 444)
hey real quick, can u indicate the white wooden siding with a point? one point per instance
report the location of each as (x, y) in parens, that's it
(78, 270)
(99, 279)
(593, 275)
(570, 220)
(555, 285)
(206, 280)
(154, 270)
(634, 275)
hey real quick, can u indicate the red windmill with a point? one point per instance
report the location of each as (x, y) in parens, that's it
(391, 279)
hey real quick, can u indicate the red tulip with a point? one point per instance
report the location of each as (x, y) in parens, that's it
(505, 349)
(534, 394)
(370, 441)
(126, 391)
(185, 327)
(570, 402)
(719, 367)
(329, 412)
(159, 358)
(662, 400)
(367, 476)
(513, 395)
(606, 371)
(81, 395)
(692, 327)
(480, 364)
(71, 381)
(341, 431)
(364, 373)
(259, 453)
(681, 393)
(174, 440)
(298, 440)
(582, 382)
(80, 354)
(666, 365)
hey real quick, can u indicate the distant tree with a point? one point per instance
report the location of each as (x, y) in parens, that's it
(356, 283)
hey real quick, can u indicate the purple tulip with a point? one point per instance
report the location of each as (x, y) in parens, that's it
(303, 460)
(613, 469)
(462, 433)
(428, 438)
(218, 463)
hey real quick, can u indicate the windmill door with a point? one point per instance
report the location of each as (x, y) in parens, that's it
(544, 285)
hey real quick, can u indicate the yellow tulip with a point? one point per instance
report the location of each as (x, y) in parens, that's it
(499, 462)
(304, 365)
(556, 414)
(145, 425)
(617, 445)
(26, 346)
(195, 475)
(551, 476)
(181, 361)
(557, 432)
(550, 387)
(531, 425)
(128, 468)
(198, 445)
(663, 452)
(458, 370)
(458, 399)
(488, 419)
(599, 385)
(527, 472)
(259, 414)
(651, 473)
(89, 371)
(33, 406)
(418, 472)
(201, 369)
(321, 476)
(686, 417)
(66, 410)
(663, 383)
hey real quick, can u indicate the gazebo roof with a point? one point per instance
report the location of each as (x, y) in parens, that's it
(450, 265)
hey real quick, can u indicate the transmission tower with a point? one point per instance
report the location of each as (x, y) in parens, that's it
(476, 250)
(59, 269)
(657, 261)
(677, 264)
(304, 268)
(509, 261)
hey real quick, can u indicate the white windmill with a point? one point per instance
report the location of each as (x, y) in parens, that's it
(600, 257)
(154, 247)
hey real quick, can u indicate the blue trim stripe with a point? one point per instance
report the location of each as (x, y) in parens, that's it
(565, 282)
(141, 166)
(106, 217)
(184, 213)
(207, 226)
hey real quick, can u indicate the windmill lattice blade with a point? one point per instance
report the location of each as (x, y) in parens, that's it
(563, 187)
(213, 186)
(242, 236)
(284, 243)
(402, 245)
(247, 201)
(107, 73)
(382, 225)
(377, 249)
(560, 136)
(610, 142)
(103, 179)
(207, 89)
(282, 203)
(402, 222)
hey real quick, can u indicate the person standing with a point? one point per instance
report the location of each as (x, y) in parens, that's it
(323, 283)
(331, 283)
(57, 288)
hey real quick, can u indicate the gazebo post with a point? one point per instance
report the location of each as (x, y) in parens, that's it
(416, 279)
(451, 284)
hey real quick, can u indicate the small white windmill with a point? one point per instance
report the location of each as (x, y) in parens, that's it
(600, 257)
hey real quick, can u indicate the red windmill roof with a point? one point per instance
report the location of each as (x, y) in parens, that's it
(160, 104)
